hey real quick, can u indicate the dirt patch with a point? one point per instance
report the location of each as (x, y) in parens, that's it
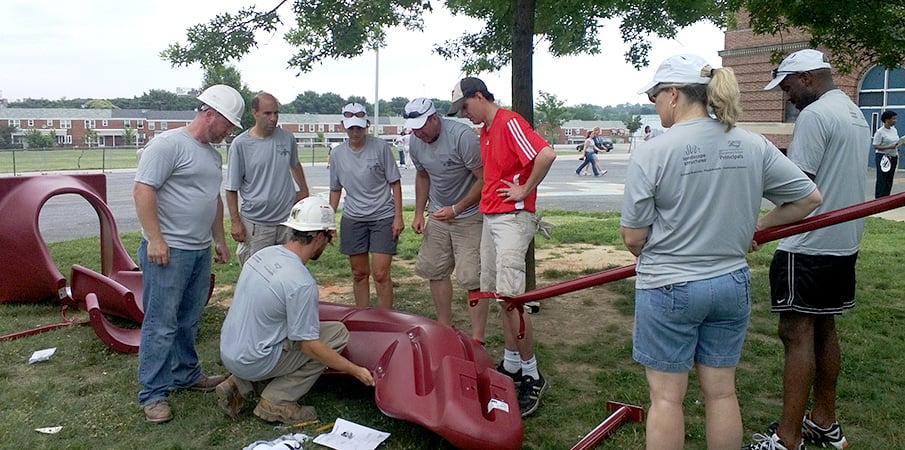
(564, 320)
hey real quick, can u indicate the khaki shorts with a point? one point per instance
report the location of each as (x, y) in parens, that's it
(504, 243)
(259, 236)
(451, 244)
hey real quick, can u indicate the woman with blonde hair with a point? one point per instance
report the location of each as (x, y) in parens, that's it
(702, 178)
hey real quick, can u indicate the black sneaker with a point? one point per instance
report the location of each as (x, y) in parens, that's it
(769, 442)
(529, 393)
(814, 434)
(516, 377)
(532, 307)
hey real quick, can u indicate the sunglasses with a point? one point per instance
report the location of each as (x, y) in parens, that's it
(415, 114)
(351, 114)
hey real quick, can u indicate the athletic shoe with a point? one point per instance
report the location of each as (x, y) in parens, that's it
(158, 412)
(529, 393)
(516, 376)
(771, 442)
(814, 434)
(532, 307)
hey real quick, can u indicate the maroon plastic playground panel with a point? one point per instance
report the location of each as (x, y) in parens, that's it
(29, 273)
(432, 375)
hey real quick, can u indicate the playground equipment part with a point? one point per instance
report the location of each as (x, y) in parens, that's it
(620, 413)
(29, 273)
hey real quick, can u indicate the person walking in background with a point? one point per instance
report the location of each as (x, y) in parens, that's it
(692, 297)
(812, 276)
(177, 200)
(372, 210)
(589, 156)
(261, 166)
(886, 142)
(272, 334)
(516, 159)
(448, 184)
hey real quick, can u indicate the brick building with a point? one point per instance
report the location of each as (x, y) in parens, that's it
(874, 89)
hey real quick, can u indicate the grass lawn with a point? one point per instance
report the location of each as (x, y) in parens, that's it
(583, 344)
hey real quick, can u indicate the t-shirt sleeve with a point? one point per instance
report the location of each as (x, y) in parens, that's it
(391, 169)
(235, 167)
(335, 165)
(470, 150)
(809, 142)
(784, 182)
(524, 140)
(638, 206)
(157, 162)
(302, 313)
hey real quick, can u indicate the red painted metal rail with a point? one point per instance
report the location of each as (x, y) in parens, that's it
(770, 234)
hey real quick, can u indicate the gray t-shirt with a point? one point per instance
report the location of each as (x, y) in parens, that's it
(886, 136)
(699, 188)
(276, 299)
(258, 169)
(830, 140)
(449, 161)
(187, 176)
(366, 176)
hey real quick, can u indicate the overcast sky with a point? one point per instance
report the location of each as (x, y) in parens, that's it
(110, 48)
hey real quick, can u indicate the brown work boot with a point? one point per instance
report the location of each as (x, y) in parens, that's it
(288, 413)
(229, 398)
(207, 383)
(158, 412)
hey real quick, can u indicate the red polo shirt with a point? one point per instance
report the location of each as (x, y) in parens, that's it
(508, 149)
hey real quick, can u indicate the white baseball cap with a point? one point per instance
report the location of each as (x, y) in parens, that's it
(800, 61)
(355, 115)
(680, 69)
(417, 112)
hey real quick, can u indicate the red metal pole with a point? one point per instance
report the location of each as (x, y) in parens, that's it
(621, 414)
(770, 234)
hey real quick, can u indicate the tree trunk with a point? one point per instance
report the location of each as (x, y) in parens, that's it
(523, 89)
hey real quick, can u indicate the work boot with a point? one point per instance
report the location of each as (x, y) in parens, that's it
(207, 383)
(158, 412)
(229, 398)
(287, 413)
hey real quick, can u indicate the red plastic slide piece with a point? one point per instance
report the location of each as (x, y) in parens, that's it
(432, 375)
(29, 273)
(123, 340)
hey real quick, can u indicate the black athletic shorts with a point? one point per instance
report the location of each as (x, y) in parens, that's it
(812, 284)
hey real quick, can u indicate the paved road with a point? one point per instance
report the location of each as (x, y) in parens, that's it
(69, 216)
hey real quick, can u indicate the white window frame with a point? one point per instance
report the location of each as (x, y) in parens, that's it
(105, 123)
(127, 123)
(64, 139)
(14, 123)
(163, 125)
(90, 123)
(49, 123)
(152, 125)
(66, 124)
(31, 123)
(140, 124)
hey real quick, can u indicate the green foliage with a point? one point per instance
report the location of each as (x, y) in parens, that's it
(552, 112)
(99, 104)
(230, 76)
(6, 135)
(129, 136)
(855, 31)
(37, 139)
(632, 123)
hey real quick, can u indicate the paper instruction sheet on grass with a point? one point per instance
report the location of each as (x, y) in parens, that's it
(351, 436)
(42, 355)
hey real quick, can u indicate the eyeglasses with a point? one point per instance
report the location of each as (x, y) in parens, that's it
(351, 114)
(653, 96)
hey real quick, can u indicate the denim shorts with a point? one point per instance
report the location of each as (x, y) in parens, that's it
(695, 322)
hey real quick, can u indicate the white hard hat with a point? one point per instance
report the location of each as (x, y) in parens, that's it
(226, 101)
(311, 214)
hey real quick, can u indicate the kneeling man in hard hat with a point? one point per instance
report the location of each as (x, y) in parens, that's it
(273, 335)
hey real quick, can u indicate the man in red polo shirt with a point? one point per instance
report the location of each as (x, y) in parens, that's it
(516, 159)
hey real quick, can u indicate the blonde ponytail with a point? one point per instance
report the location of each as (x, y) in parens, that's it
(723, 95)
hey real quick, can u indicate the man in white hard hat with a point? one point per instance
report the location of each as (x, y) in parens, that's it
(272, 334)
(261, 165)
(177, 200)
(448, 181)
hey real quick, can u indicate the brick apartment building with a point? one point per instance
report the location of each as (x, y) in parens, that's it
(874, 89)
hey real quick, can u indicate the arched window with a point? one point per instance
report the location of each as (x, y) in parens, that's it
(881, 89)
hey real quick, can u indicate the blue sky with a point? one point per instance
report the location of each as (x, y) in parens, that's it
(108, 48)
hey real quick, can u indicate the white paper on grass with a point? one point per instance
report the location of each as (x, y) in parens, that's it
(41, 355)
(351, 436)
(49, 430)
